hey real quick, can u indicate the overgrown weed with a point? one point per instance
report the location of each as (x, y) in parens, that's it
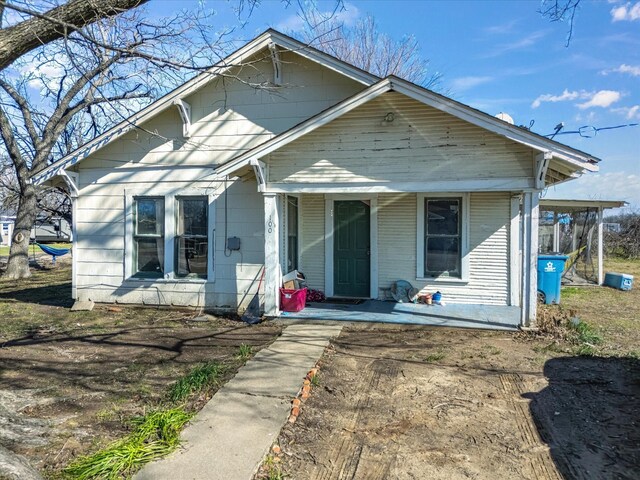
(198, 379)
(155, 435)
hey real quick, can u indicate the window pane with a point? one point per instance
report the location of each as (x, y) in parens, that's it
(442, 217)
(292, 233)
(442, 255)
(150, 256)
(191, 256)
(192, 216)
(149, 216)
(192, 243)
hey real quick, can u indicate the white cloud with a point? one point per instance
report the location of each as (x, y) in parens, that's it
(627, 12)
(618, 185)
(527, 41)
(502, 29)
(589, 118)
(603, 98)
(565, 96)
(41, 75)
(630, 113)
(465, 83)
(634, 71)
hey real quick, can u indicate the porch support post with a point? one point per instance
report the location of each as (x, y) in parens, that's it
(556, 232)
(271, 256)
(515, 259)
(530, 258)
(600, 248)
(74, 251)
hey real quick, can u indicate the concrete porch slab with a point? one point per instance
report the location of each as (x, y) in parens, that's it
(494, 317)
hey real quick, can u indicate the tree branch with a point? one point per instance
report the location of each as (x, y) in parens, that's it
(12, 147)
(57, 23)
(24, 109)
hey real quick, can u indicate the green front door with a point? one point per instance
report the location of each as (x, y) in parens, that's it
(351, 249)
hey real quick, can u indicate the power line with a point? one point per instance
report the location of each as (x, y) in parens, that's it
(587, 131)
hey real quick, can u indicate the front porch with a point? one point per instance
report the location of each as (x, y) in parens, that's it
(493, 317)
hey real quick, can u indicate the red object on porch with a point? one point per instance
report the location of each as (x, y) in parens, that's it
(293, 300)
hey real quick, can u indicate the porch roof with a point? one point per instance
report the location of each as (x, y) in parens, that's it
(576, 204)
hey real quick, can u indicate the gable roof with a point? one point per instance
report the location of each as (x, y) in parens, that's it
(235, 59)
(579, 160)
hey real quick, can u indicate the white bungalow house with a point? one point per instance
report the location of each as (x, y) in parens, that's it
(285, 158)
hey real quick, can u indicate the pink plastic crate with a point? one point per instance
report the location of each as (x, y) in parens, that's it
(292, 300)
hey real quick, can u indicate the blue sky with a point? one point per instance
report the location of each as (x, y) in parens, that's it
(502, 56)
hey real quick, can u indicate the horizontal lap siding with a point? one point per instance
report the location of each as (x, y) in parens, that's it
(488, 244)
(312, 242)
(227, 119)
(396, 238)
(100, 251)
(422, 143)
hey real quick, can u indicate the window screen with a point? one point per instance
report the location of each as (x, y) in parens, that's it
(443, 237)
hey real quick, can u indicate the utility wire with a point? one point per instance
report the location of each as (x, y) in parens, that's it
(588, 131)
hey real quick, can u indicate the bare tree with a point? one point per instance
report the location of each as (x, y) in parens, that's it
(99, 66)
(70, 70)
(364, 46)
(561, 11)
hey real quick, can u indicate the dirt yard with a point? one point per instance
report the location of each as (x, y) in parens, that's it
(70, 382)
(434, 403)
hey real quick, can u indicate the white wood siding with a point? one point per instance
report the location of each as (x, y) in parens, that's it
(420, 144)
(312, 241)
(228, 117)
(488, 243)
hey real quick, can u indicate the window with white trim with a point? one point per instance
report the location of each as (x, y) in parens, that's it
(148, 237)
(442, 237)
(170, 236)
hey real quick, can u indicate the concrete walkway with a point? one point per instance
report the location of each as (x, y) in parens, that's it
(230, 436)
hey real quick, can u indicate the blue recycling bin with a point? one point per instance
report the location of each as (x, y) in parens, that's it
(550, 268)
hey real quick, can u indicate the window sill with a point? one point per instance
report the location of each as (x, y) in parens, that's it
(443, 281)
(169, 280)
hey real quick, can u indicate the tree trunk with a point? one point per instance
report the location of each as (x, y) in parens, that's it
(18, 266)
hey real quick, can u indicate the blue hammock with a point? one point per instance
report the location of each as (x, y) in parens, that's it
(54, 252)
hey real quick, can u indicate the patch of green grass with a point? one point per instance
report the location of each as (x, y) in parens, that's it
(244, 353)
(585, 333)
(272, 469)
(585, 350)
(492, 350)
(575, 292)
(315, 380)
(196, 380)
(434, 357)
(553, 347)
(155, 435)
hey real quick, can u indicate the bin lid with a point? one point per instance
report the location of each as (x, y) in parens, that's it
(553, 256)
